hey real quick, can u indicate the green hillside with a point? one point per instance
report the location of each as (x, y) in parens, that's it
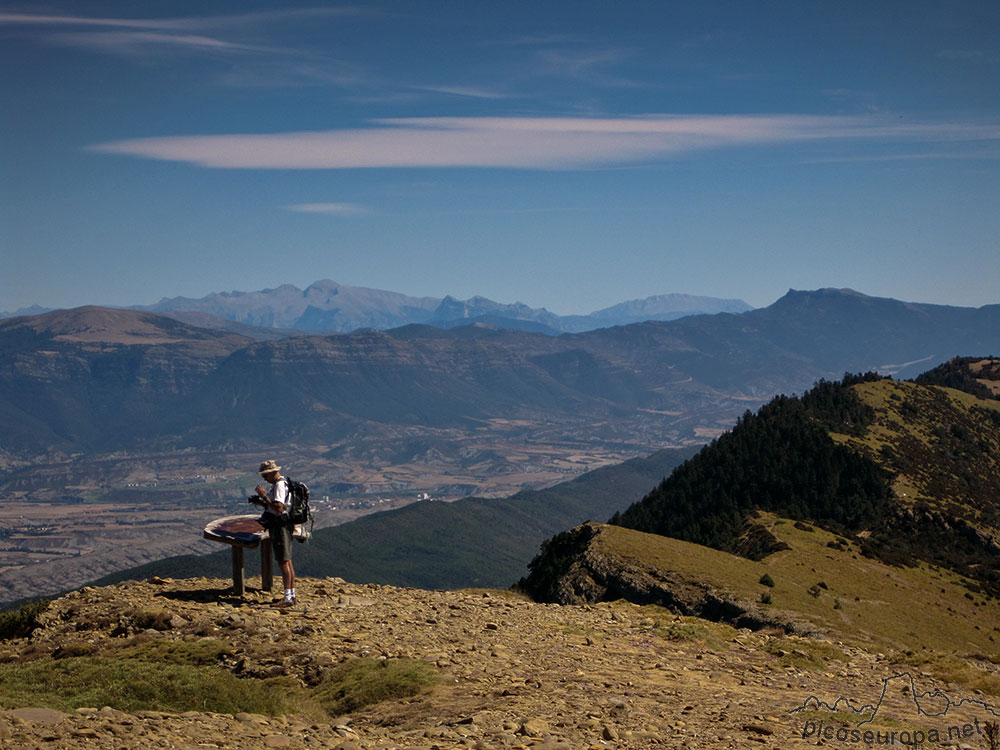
(910, 472)
(941, 446)
(819, 584)
(867, 510)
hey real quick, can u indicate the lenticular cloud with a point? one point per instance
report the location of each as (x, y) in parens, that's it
(518, 142)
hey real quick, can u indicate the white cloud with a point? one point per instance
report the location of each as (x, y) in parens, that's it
(178, 23)
(131, 35)
(140, 41)
(29, 19)
(525, 142)
(466, 91)
(336, 209)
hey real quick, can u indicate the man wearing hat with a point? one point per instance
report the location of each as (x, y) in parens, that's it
(275, 501)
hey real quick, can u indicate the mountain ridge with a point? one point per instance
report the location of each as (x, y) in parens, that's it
(645, 373)
(327, 306)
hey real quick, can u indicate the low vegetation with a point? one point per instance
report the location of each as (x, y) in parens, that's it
(139, 684)
(20, 622)
(362, 682)
(159, 674)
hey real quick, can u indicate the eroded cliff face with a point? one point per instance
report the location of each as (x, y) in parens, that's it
(580, 566)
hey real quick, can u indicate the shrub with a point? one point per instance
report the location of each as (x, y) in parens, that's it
(765, 597)
(202, 653)
(155, 619)
(21, 622)
(766, 580)
(362, 682)
(133, 685)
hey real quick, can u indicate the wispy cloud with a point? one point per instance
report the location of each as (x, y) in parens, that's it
(527, 142)
(275, 72)
(962, 54)
(473, 92)
(535, 40)
(133, 42)
(593, 66)
(334, 209)
(147, 35)
(177, 23)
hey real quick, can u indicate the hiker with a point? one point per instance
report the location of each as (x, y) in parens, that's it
(276, 503)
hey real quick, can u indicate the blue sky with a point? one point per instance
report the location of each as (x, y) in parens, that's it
(570, 155)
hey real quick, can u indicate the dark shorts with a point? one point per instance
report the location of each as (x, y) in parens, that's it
(281, 541)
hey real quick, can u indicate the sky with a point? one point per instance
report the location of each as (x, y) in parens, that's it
(567, 155)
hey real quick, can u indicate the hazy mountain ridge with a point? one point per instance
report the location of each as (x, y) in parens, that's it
(668, 307)
(326, 306)
(144, 380)
(329, 306)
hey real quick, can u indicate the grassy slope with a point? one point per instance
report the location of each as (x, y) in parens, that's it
(942, 444)
(864, 601)
(471, 542)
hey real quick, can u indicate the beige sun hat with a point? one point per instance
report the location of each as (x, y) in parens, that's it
(267, 467)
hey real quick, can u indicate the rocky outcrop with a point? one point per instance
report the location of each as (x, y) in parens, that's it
(576, 568)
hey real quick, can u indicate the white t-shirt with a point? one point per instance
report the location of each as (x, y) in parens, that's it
(279, 494)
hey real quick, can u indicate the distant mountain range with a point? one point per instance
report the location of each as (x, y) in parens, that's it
(102, 379)
(329, 306)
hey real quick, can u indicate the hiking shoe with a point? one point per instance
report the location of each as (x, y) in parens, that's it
(283, 603)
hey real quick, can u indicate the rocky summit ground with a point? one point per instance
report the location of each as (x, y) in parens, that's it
(511, 673)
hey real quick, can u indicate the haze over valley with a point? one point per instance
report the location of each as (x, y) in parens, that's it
(136, 427)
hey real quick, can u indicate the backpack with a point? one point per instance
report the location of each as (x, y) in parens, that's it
(299, 512)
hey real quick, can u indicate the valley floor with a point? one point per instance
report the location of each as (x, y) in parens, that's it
(512, 674)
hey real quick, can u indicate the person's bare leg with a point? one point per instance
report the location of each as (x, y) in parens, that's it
(287, 575)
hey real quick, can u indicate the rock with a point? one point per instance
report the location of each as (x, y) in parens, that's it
(38, 715)
(252, 718)
(177, 622)
(533, 728)
(758, 728)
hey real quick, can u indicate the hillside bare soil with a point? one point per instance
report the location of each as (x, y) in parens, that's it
(510, 673)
